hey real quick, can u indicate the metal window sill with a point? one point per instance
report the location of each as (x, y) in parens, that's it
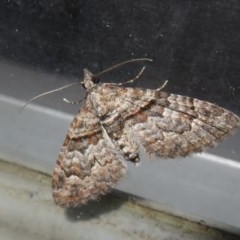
(202, 187)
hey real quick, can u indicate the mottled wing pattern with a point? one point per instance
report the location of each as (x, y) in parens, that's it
(116, 108)
(88, 164)
(178, 125)
(167, 125)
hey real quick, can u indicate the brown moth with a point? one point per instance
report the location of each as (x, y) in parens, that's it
(112, 125)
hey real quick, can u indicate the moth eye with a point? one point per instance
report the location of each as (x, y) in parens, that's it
(96, 80)
(83, 85)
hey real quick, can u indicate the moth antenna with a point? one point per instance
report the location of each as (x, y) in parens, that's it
(133, 79)
(76, 83)
(121, 64)
(163, 86)
(46, 93)
(72, 102)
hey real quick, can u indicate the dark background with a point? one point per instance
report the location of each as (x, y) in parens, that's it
(194, 44)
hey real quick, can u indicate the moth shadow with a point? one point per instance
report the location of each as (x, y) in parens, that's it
(105, 204)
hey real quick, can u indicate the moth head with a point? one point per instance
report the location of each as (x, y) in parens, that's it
(89, 80)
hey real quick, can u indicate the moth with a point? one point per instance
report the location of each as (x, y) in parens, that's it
(116, 121)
